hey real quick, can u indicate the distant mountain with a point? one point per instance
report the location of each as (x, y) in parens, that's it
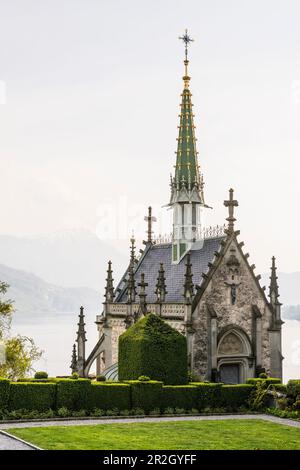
(77, 261)
(69, 259)
(35, 298)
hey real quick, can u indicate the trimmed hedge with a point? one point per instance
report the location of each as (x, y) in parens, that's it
(107, 396)
(32, 396)
(293, 388)
(146, 395)
(281, 388)
(209, 394)
(268, 381)
(81, 394)
(235, 396)
(73, 394)
(179, 396)
(4, 393)
(153, 348)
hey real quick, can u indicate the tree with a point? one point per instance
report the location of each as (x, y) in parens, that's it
(6, 310)
(20, 351)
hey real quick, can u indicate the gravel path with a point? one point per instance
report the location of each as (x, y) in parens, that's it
(90, 422)
(9, 443)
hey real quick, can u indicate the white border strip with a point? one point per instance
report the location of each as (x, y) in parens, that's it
(11, 436)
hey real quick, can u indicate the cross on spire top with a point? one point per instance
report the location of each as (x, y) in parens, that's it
(231, 204)
(186, 39)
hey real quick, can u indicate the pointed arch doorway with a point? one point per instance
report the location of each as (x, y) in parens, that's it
(234, 356)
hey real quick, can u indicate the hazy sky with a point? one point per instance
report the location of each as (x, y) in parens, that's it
(91, 114)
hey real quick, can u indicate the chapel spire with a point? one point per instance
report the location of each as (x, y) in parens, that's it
(187, 196)
(187, 175)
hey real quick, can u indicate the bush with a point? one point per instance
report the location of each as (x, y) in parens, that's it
(32, 396)
(154, 412)
(73, 394)
(144, 378)
(235, 396)
(41, 375)
(169, 411)
(4, 393)
(101, 378)
(293, 388)
(138, 412)
(75, 376)
(79, 414)
(263, 375)
(110, 395)
(153, 348)
(260, 396)
(146, 395)
(63, 412)
(296, 405)
(180, 396)
(179, 411)
(97, 412)
(281, 388)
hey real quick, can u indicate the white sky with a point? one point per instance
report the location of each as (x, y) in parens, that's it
(91, 113)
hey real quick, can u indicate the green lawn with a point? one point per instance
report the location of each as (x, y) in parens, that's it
(176, 435)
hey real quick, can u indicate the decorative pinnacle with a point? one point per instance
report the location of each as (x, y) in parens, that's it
(109, 288)
(142, 294)
(73, 365)
(149, 219)
(131, 287)
(231, 204)
(161, 290)
(132, 249)
(273, 289)
(81, 333)
(188, 283)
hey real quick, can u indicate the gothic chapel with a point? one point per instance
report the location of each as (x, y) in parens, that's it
(199, 281)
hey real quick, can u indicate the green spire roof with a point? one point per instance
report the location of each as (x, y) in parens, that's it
(186, 162)
(187, 175)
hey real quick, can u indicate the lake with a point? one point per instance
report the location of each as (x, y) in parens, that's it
(56, 336)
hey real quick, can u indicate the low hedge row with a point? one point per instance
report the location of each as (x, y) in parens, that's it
(180, 396)
(4, 393)
(146, 395)
(293, 388)
(268, 381)
(235, 396)
(82, 394)
(32, 396)
(72, 394)
(107, 396)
